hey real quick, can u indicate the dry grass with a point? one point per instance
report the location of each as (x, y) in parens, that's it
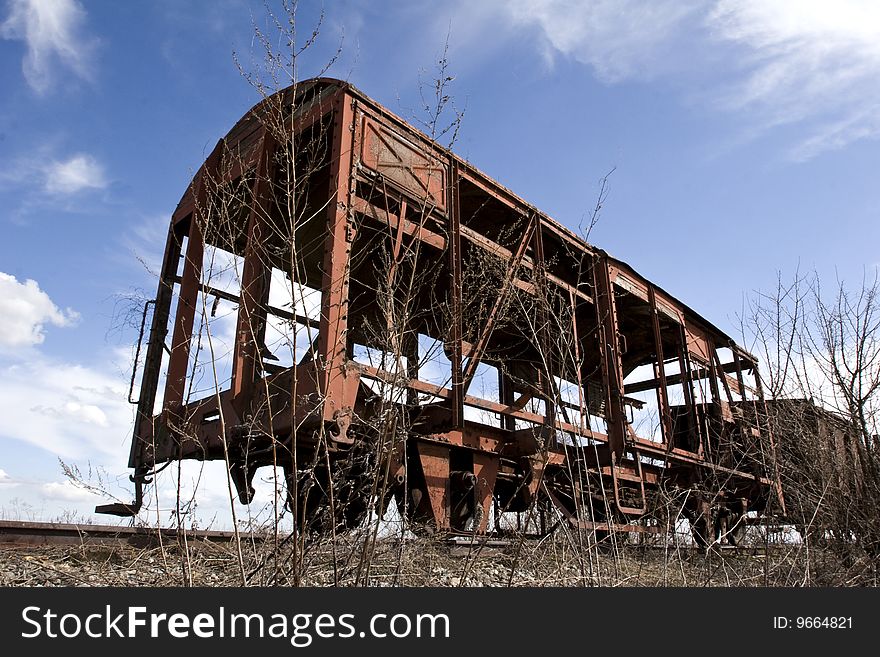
(423, 562)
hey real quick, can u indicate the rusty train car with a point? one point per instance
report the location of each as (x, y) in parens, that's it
(351, 202)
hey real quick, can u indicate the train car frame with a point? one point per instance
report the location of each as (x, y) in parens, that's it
(425, 276)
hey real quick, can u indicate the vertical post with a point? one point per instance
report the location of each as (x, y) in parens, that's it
(143, 424)
(486, 471)
(739, 372)
(455, 292)
(411, 353)
(583, 423)
(332, 338)
(178, 365)
(505, 396)
(610, 357)
(545, 377)
(713, 442)
(255, 280)
(777, 483)
(714, 373)
(660, 371)
(687, 386)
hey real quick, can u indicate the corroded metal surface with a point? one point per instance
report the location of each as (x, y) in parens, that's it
(599, 392)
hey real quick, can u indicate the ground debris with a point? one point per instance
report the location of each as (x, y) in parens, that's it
(421, 562)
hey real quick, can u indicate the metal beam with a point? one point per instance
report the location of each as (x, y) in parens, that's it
(178, 365)
(255, 280)
(482, 342)
(332, 338)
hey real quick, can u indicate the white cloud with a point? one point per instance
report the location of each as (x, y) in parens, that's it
(65, 490)
(206, 483)
(51, 30)
(76, 412)
(809, 63)
(73, 411)
(43, 180)
(618, 38)
(74, 174)
(69, 398)
(25, 310)
(79, 414)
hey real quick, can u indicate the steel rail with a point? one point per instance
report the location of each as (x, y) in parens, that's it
(13, 532)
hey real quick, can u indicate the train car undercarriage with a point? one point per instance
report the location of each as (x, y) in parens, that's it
(436, 341)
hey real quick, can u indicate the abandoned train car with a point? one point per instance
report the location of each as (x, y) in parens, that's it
(438, 342)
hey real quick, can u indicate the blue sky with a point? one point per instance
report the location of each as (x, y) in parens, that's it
(744, 136)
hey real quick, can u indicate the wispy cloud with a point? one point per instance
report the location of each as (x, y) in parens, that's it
(74, 411)
(74, 174)
(42, 179)
(808, 61)
(52, 32)
(620, 39)
(144, 243)
(67, 491)
(25, 310)
(811, 64)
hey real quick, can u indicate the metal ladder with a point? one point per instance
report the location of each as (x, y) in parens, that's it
(618, 475)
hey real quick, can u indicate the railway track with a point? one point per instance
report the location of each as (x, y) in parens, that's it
(34, 534)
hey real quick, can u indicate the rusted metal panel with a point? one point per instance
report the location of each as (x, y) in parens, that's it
(434, 460)
(697, 342)
(485, 469)
(392, 155)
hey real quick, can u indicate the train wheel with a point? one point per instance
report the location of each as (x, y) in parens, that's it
(412, 499)
(348, 485)
(736, 528)
(700, 531)
(705, 527)
(414, 509)
(305, 497)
